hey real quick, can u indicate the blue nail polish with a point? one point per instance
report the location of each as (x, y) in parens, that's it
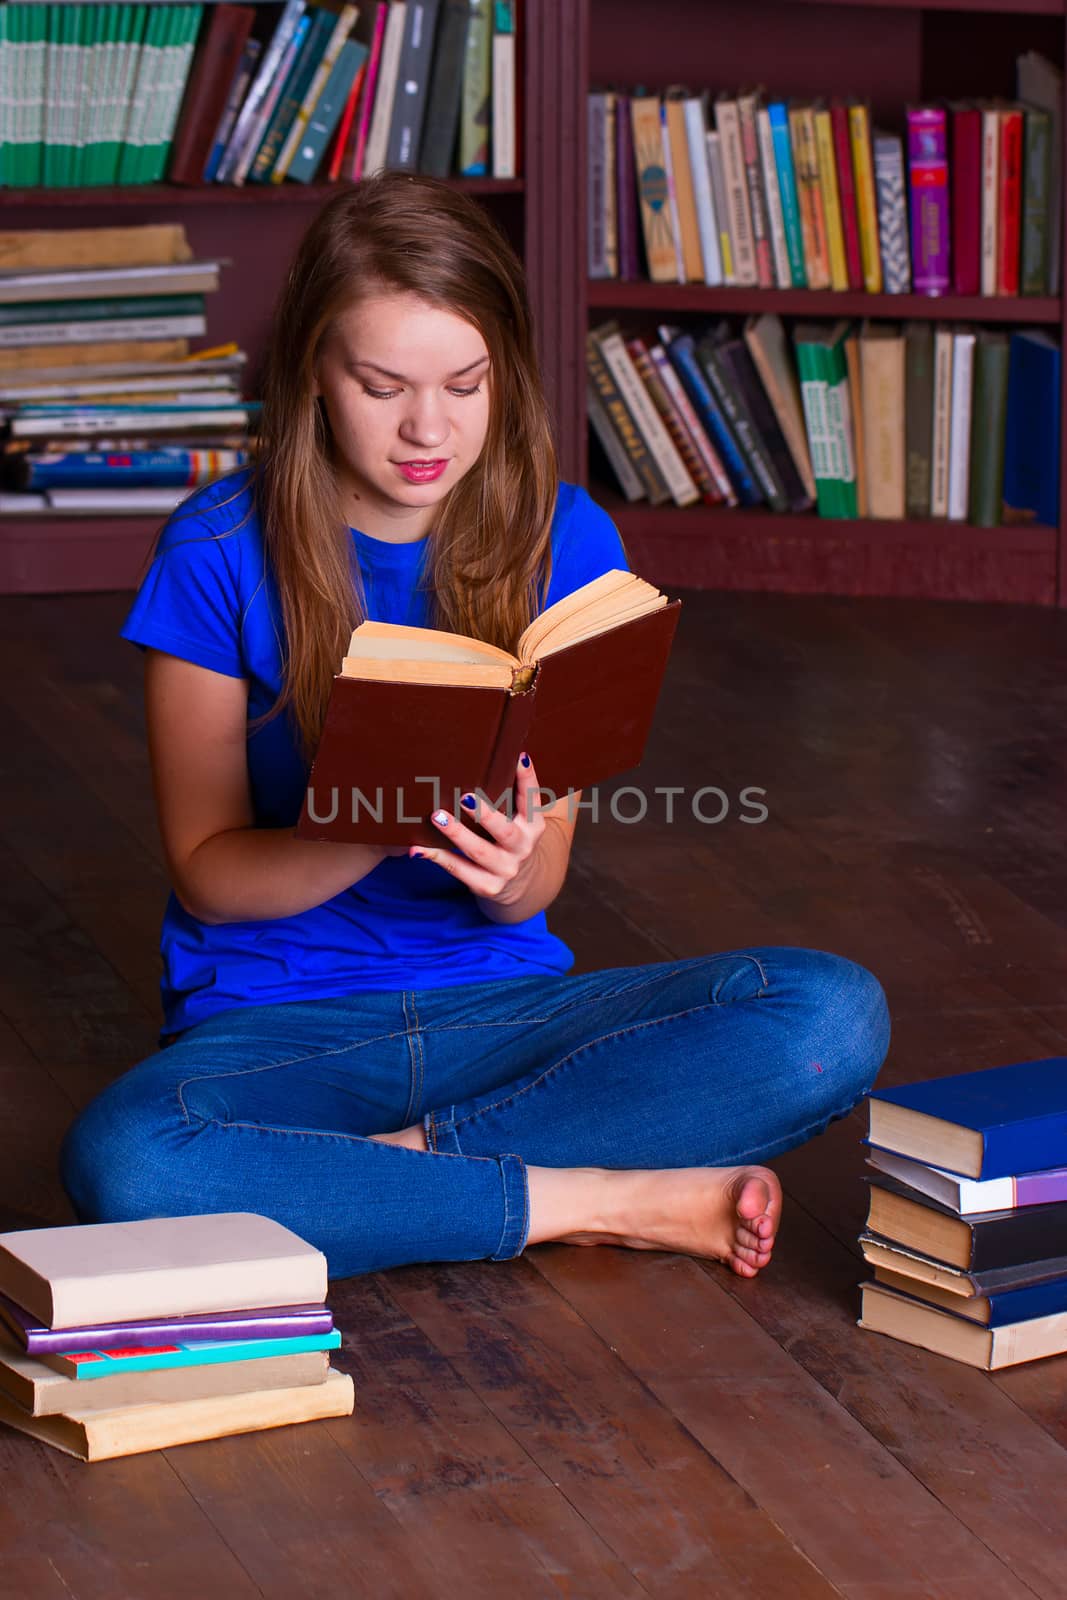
(469, 801)
(441, 818)
(524, 758)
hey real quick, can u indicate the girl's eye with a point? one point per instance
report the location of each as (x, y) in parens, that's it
(389, 394)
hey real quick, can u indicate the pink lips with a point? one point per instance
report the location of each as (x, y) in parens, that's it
(421, 471)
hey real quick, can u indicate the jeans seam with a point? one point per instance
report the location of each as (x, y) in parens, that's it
(271, 1066)
(618, 1033)
(550, 1016)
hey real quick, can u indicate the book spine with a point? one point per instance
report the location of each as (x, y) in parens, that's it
(596, 177)
(990, 192)
(842, 430)
(652, 189)
(295, 75)
(689, 230)
(619, 415)
(413, 83)
(33, 312)
(928, 169)
(612, 348)
(612, 445)
(787, 186)
(722, 206)
(213, 71)
(741, 373)
(1009, 223)
(139, 469)
(942, 424)
(807, 178)
(892, 213)
(666, 156)
(813, 400)
(681, 352)
(766, 340)
(247, 126)
(328, 110)
(320, 107)
(1035, 220)
(846, 190)
(918, 416)
(241, 80)
(672, 419)
(712, 462)
(859, 430)
(477, 81)
(747, 108)
(741, 424)
(966, 192)
(859, 127)
(835, 231)
(988, 426)
(882, 368)
(441, 123)
(959, 454)
(503, 88)
(627, 219)
(696, 144)
(779, 247)
(370, 90)
(259, 128)
(739, 217)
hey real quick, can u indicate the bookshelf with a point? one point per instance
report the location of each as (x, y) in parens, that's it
(892, 52)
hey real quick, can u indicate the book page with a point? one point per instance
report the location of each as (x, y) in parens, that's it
(383, 641)
(594, 607)
(397, 669)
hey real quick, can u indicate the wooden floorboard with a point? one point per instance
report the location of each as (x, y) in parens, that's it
(600, 1422)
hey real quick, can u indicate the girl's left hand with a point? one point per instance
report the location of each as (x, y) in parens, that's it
(500, 869)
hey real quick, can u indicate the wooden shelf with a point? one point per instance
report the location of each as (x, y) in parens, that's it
(1012, 8)
(712, 547)
(219, 194)
(74, 554)
(611, 294)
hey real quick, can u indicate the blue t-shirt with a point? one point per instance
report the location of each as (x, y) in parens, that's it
(210, 597)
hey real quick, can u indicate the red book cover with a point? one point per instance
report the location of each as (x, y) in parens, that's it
(1009, 201)
(204, 100)
(965, 184)
(370, 84)
(846, 191)
(347, 127)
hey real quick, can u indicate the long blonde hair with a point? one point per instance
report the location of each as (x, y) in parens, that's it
(490, 545)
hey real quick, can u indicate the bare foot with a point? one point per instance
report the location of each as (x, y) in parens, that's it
(728, 1213)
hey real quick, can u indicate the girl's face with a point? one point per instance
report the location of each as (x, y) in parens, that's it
(405, 387)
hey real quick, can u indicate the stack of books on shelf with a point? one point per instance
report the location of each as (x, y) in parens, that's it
(116, 1338)
(964, 197)
(235, 94)
(873, 419)
(967, 1226)
(102, 405)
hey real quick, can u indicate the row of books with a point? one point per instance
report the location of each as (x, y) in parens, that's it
(121, 94)
(117, 1338)
(733, 190)
(966, 1230)
(102, 404)
(868, 419)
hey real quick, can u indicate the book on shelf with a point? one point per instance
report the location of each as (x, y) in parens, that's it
(68, 1277)
(919, 388)
(620, 364)
(475, 105)
(1032, 429)
(440, 129)
(451, 714)
(882, 376)
(891, 201)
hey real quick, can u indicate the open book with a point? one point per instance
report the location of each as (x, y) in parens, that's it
(418, 716)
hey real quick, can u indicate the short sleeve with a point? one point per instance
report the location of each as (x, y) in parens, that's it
(188, 604)
(587, 545)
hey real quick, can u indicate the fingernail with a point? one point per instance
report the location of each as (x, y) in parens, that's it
(469, 801)
(441, 818)
(524, 758)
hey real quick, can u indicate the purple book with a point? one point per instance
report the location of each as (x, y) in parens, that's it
(626, 192)
(278, 1322)
(928, 163)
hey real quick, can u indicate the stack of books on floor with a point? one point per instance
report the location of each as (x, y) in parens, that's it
(116, 1338)
(960, 197)
(103, 407)
(874, 419)
(967, 1227)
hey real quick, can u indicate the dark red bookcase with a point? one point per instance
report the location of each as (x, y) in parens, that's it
(891, 51)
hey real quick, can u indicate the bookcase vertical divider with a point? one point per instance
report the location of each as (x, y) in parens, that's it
(1061, 559)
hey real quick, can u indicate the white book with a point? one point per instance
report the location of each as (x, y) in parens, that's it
(154, 498)
(84, 1275)
(385, 93)
(942, 422)
(990, 186)
(143, 88)
(701, 441)
(56, 393)
(783, 277)
(101, 283)
(614, 449)
(117, 331)
(959, 450)
(696, 135)
(502, 104)
(129, 422)
(963, 1195)
(721, 205)
(739, 215)
(620, 364)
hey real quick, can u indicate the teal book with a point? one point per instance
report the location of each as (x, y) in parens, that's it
(331, 102)
(34, 312)
(297, 85)
(87, 1364)
(787, 189)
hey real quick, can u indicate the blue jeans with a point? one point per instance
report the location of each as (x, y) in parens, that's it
(713, 1061)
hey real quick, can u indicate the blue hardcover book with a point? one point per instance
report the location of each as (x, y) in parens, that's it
(778, 115)
(1032, 431)
(86, 1364)
(131, 469)
(681, 352)
(989, 1124)
(996, 1310)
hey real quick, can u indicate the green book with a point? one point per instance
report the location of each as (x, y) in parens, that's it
(181, 65)
(331, 102)
(292, 97)
(103, 89)
(92, 90)
(918, 417)
(36, 37)
(32, 313)
(53, 95)
(1037, 177)
(820, 375)
(132, 23)
(155, 92)
(475, 106)
(144, 80)
(989, 417)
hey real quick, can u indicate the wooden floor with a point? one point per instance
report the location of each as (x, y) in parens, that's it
(600, 1422)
